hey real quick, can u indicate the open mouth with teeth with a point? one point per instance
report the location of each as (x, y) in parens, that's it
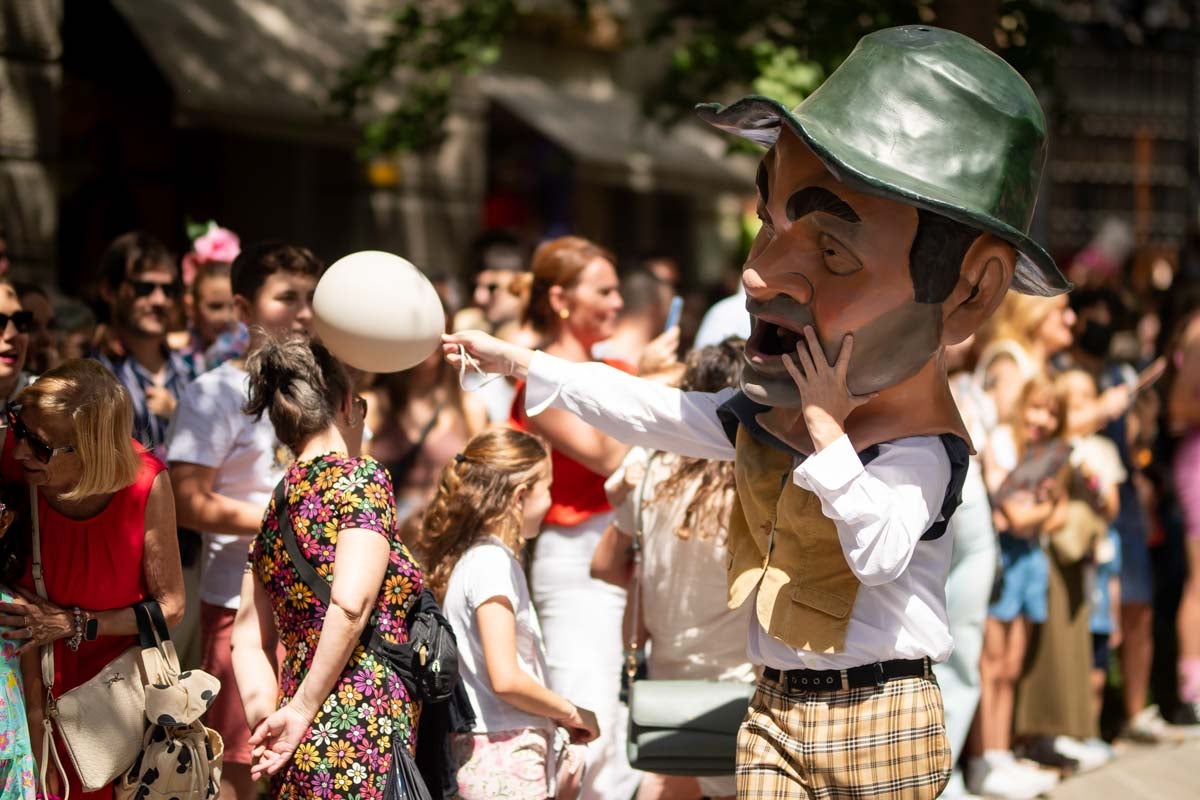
(771, 340)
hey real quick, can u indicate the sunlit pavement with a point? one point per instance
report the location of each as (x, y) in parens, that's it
(1160, 772)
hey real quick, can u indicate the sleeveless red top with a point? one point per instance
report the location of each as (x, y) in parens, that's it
(576, 493)
(95, 564)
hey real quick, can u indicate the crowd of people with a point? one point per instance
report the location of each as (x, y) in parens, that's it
(187, 441)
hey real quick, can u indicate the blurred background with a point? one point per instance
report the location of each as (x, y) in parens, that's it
(414, 127)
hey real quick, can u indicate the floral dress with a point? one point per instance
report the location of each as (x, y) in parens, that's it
(347, 751)
(16, 756)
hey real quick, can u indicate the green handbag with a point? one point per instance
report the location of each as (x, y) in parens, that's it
(684, 727)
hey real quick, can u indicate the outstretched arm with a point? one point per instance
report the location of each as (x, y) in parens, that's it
(629, 409)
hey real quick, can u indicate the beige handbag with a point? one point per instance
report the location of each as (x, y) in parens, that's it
(180, 758)
(100, 723)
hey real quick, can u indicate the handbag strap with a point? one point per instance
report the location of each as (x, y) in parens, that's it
(39, 581)
(635, 589)
(49, 751)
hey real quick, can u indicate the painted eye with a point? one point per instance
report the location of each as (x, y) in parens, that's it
(838, 259)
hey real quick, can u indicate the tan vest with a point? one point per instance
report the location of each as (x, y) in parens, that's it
(780, 541)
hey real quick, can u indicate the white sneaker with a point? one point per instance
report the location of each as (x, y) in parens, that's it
(1088, 755)
(1149, 727)
(999, 775)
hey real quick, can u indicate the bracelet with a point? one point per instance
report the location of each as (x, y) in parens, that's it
(77, 627)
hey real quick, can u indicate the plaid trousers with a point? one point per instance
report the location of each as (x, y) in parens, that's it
(887, 741)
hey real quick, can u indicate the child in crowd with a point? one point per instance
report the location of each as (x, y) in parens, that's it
(1097, 475)
(17, 767)
(224, 467)
(214, 328)
(1019, 517)
(491, 500)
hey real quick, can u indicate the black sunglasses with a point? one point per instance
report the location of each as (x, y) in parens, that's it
(41, 450)
(146, 288)
(21, 320)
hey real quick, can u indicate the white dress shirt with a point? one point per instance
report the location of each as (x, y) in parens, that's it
(880, 510)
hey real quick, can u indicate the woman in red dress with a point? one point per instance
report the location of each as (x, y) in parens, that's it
(107, 521)
(574, 303)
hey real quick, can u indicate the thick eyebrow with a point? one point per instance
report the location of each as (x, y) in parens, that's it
(815, 198)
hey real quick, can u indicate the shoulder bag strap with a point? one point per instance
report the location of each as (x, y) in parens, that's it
(307, 572)
(49, 751)
(47, 650)
(635, 588)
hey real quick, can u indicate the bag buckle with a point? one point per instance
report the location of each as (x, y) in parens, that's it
(880, 676)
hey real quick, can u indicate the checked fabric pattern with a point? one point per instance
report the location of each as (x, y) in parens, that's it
(885, 742)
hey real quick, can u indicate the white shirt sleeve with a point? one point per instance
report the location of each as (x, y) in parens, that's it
(628, 408)
(881, 510)
(202, 429)
(489, 574)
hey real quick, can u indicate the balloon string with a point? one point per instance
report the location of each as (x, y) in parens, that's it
(467, 360)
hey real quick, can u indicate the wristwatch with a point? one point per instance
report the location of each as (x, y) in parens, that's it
(91, 628)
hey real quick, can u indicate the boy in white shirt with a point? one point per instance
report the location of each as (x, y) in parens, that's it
(224, 466)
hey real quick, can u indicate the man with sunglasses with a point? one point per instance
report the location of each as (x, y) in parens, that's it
(140, 285)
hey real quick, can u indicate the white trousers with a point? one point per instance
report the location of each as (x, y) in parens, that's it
(581, 622)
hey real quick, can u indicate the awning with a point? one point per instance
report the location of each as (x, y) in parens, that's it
(268, 65)
(616, 144)
(256, 63)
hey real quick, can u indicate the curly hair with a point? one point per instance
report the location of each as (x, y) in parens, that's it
(707, 369)
(475, 499)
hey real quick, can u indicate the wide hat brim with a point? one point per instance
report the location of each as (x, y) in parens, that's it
(759, 119)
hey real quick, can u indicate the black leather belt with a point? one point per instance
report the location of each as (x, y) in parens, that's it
(832, 680)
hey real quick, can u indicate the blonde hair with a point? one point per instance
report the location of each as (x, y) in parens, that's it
(475, 500)
(1039, 390)
(1018, 317)
(101, 415)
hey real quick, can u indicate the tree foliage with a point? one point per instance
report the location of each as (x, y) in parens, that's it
(779, 48)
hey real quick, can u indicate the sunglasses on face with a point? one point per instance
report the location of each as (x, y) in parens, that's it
(21, 320)
(146, 288)
(41, 449)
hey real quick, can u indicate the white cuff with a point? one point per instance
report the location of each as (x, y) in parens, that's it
(544, 382)
(830, 468)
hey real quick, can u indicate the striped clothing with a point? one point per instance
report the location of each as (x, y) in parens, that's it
(148, 428)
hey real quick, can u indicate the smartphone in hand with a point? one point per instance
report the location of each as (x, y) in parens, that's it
(673, 314)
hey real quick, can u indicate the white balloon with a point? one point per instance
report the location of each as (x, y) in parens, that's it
(377, 312)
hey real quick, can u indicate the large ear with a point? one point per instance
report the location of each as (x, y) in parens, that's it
(983, 280)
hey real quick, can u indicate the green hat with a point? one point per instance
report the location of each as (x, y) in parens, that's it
(930, 118)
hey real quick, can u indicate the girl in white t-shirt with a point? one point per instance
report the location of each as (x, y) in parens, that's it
(491, 499)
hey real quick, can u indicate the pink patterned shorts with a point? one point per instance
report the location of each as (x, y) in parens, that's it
(508, 764)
